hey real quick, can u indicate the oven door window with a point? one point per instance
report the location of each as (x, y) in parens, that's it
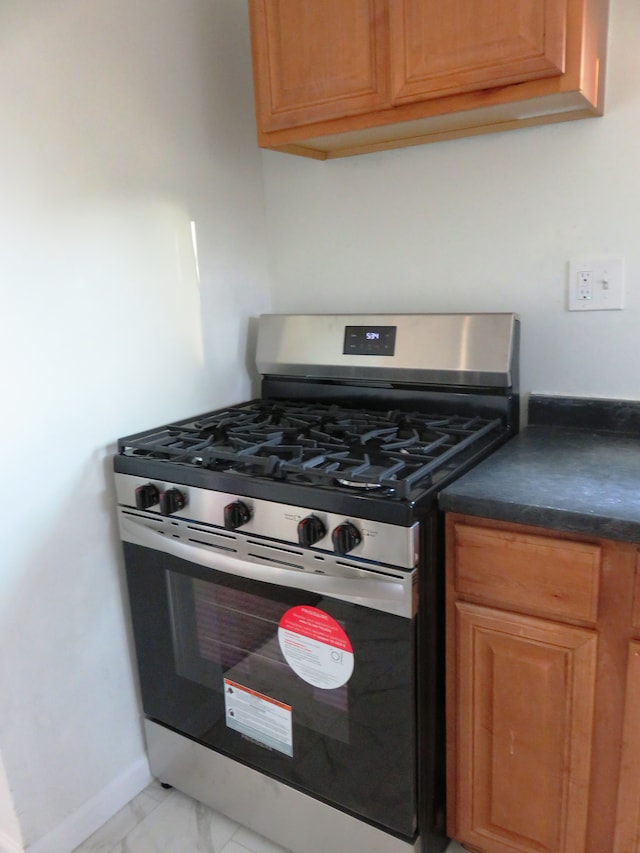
(230, 637)
(311, 690)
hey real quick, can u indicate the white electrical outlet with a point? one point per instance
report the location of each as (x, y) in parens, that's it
(583, 285)
(596, 284)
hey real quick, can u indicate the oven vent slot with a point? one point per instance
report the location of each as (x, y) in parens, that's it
(215, 545)
(371, 570)
(275, 561)
(272, 547)
(149, 519)
(218, 533)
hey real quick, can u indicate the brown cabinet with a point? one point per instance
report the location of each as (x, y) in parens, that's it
(470, 45)
(340, 77)
(627, 839)
(525, 726)
(543, 684)
(319, 60)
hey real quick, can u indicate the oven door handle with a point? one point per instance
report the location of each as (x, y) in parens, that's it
(379, 588)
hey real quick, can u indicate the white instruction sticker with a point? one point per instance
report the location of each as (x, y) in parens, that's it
(315, 647)
(258, 716)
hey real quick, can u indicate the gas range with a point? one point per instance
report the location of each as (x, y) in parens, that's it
(284, 561)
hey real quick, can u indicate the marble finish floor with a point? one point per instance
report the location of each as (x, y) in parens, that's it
(161, 821)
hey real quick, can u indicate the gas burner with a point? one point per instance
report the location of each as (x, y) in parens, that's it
(353, 484)
(389, 453)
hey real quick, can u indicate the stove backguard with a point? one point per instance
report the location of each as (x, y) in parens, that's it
(464, 364)
(462, 350)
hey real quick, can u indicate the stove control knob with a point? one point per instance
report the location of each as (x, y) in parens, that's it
(310, 530)
(146, 496)
(345, 537)
(236, 514)
(171, 501)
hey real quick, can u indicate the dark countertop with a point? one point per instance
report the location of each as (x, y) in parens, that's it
(578, 480)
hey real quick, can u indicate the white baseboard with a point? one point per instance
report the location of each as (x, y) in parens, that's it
(9, 845)
(89, 817)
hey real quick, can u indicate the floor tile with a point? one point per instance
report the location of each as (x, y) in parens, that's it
(163, 820)
(255, 843)
(179, 825)
(233, 847)
(118, 827)
(157, 791)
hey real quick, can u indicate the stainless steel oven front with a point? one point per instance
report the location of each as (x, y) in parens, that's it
(279, 680)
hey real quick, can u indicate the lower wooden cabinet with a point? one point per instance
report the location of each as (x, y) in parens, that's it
(627, 839)
(525, 719)
(543, 690)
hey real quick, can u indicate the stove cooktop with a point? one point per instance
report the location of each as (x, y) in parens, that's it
(394, 454)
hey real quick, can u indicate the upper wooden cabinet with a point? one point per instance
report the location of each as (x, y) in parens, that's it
(319, 60)
(340, 77)
(444, 49)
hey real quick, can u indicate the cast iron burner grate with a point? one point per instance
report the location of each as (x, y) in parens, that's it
(320, 444)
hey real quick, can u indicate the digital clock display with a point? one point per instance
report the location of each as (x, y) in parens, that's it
(369, 340)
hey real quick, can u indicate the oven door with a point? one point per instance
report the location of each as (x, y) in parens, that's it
(285, 661)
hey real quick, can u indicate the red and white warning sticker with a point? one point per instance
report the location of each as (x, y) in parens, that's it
(259, 717)
(315, 647)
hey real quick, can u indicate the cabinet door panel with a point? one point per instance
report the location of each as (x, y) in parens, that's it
(627, 838)
(319, 60)
(444, 47)
(525, 714)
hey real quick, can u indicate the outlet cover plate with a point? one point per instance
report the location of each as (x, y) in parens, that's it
(606, 277)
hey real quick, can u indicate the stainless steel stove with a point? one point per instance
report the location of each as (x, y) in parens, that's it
(284, 562)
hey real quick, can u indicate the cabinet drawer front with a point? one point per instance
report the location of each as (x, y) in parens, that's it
(529, 573)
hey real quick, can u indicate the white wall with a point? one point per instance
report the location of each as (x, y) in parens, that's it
(121, 122)
(482, 224)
